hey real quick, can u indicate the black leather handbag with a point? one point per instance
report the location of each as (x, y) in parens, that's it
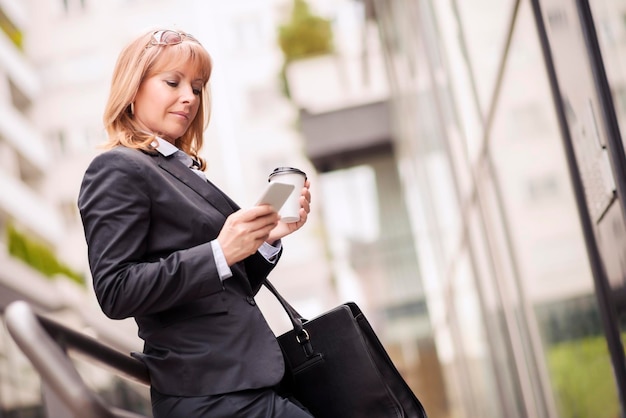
(337, 367)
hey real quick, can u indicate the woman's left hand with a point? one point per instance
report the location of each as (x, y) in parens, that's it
(283, 229)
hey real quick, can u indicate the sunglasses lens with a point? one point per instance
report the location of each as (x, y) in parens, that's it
(169, 37)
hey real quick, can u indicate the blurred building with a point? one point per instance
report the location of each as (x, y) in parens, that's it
(504, 121)
(468, 178)
(42, 213)
(25, 206)
(344, 101)
(494, 153)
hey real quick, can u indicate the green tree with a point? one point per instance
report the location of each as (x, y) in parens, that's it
(581, 373)
(304, 35)
(38, 255)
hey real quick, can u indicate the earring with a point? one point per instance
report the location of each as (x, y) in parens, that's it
(132, 108)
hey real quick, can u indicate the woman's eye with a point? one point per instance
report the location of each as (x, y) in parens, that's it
(197, 92)
(172, 83)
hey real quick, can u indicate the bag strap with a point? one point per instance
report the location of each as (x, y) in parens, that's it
(302, 336)
(294, 316)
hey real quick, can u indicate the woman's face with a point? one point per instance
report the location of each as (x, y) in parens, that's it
(167, 102)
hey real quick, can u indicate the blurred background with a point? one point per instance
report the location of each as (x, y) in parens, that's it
(467, 169)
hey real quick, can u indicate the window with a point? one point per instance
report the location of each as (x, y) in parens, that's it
(74, 5)
(543, 187)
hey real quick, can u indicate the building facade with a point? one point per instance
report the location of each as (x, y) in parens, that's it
(508, 119)
(24, 159)
(467, 155)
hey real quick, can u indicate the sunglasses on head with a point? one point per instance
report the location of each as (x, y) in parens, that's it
(169, 37)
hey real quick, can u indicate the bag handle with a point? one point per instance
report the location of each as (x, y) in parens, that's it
(302, 336)
(294, 316)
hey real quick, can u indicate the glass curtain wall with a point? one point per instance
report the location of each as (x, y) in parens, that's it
(500, 248)
(610, 20)
(610, 17)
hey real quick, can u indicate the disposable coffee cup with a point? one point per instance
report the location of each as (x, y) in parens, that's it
(290, 212)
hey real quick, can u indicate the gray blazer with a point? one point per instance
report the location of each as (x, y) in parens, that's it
(148, 222)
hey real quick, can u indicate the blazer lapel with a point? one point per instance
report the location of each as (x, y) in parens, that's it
(209, 192)
(203, 187)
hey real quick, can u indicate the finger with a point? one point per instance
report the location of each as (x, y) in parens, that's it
(255, 212)
(305, 204)
(263, 225)
(237, 225)
(304, 214)
(306, 193)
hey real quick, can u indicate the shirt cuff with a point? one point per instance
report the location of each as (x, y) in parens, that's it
(220, 261)
(269, 252)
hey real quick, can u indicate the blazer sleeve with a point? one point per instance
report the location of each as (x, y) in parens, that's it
(258, 268)
(115, 206)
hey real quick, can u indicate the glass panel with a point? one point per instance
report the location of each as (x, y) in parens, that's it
(421, 129)
(445, 398)
(426, 117)
(434, 119)
(483, 24)
(558, 310)
(472, 341)
(467, 132)
(374, 262)
(609, 17)
(507, 384)
(505, 317)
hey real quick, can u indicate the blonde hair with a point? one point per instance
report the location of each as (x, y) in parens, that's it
(138, 61)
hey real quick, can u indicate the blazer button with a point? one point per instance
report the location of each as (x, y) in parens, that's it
(251, 300)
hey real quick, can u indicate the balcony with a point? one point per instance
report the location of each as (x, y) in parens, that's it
(343, 105)
(17, 131)
(31, 210)
(17, 68)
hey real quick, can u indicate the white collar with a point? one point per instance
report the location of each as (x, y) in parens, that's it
(164, 147)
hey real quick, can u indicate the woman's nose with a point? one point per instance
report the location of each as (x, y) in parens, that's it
(188, 95)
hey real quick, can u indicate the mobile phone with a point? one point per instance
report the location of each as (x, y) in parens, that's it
(275, 195)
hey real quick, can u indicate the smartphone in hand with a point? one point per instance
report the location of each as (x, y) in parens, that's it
(275, 195)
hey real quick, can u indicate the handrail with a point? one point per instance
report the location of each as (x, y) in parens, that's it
(44, 342)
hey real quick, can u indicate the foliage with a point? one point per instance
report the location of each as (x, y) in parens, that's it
(582, 379)
(304, 35)
(14, 34)
(38, 255)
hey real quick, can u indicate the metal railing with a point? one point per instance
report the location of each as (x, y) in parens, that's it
(46, 343)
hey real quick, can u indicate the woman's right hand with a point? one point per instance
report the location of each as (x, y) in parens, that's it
(245, 231)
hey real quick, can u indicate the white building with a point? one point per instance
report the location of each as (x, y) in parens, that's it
(24, 156)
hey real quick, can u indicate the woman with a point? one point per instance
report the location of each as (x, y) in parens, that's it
(168, 248)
